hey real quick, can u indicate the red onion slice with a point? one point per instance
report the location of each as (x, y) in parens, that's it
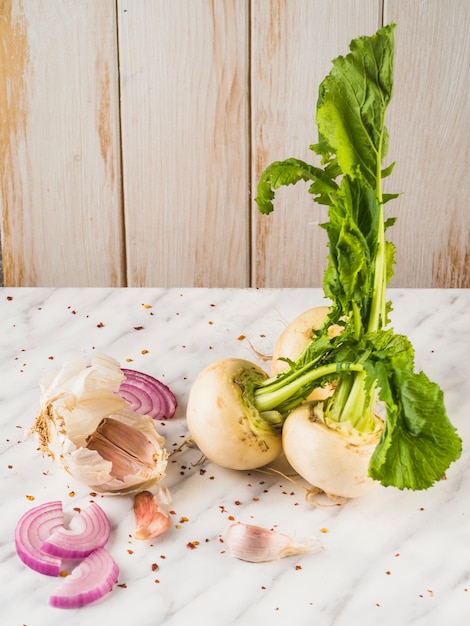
(147, 395)
(93, 578)
(33, 528)
(88, 530)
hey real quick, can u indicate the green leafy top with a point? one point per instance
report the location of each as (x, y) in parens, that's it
(418, 442)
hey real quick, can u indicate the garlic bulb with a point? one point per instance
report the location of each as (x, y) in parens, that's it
(256, 544)
(91, 431)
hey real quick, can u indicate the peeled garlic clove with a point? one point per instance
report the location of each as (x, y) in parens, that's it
(91, 431)
(257, 544)
(151, 514)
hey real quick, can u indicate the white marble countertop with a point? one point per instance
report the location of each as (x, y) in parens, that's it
(389, 558)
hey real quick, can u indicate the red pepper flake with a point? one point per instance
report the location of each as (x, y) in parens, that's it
(388, 572)
(144, 351)
(237, 502)
(100, 325)
(29, 497)
(397, 554)
(297, 567)
(93, 494)
(123, 586)
(156, 580)
(129, 360)
(130, 551)
(172, 512)
(210, 323)
(241, 337)
(431, 592)
(231, 518)
(377, 604)
(9, 298)
(263, 587)
(138, 328)
(162, 556)
(51, 358)
(71, 494)
(255, 499)
(202, 472)
(183, 519)
(192, 545)
(154, 567)
(77, 508)
(10, 467)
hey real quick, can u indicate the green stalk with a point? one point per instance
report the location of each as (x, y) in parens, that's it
(272, 398)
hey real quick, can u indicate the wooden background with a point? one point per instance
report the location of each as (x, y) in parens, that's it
(133, 132)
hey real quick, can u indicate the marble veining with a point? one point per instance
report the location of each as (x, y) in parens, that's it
(389, 558)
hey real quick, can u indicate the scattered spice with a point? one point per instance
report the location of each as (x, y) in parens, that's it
(138, 328)
(100, 325)
(144, 351)
(154, 567)
(71, 494)
(192, 545)
(30, 497)
(241, 337)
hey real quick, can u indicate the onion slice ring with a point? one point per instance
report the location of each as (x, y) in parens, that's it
(93, 578)
(32, 529)
(147, 395)
(88, 530)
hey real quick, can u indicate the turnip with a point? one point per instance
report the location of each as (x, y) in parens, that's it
(223, 422)
(332, 457)
(365, 361)
(295, 338)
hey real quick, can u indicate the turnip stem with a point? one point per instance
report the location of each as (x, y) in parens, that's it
(266, 399)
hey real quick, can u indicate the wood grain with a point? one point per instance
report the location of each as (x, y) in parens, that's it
(133, 134)
(60, 166)
(184, 93)
(429, 122)
(292, 47)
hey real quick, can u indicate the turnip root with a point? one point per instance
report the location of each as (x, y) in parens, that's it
(223, 423)
(330, 457)
(296, 337)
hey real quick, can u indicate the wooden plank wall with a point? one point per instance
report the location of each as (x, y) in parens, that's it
(133, 132)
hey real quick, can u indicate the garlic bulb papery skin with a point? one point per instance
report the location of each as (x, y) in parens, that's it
(75, 404)
(257, 545)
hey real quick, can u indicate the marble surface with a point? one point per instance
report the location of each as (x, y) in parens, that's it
(389, 558)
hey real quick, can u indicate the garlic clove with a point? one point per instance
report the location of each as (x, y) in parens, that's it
(256, 544)
(128, 449)
(151, 514)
